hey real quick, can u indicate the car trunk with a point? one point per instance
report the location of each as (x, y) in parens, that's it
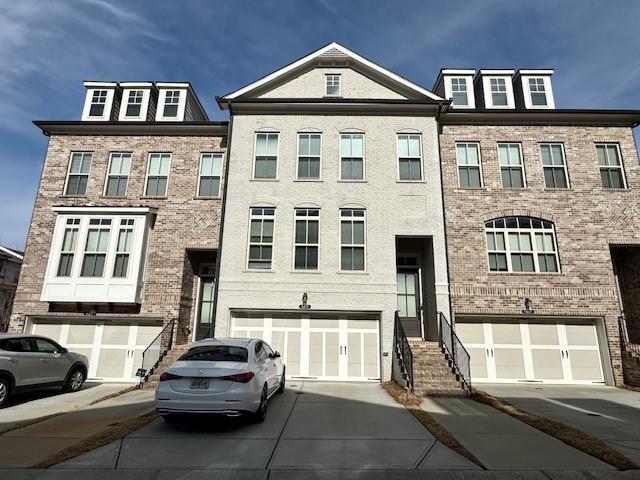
(202, 377)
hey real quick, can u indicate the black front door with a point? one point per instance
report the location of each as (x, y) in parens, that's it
(409, 301)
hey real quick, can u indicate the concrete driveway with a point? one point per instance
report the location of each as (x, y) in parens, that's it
(310, 426)
(608, 413)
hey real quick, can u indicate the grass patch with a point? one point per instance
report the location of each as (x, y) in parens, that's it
(115, 432)
(571, 436)
(411, 402)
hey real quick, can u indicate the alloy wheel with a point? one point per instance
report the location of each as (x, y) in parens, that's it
(3, 392)
(77, 378)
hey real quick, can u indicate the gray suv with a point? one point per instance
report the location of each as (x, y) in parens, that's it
(30, 362)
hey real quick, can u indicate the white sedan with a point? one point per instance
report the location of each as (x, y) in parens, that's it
(231, 376)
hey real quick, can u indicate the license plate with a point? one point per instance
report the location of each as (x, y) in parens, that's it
(199, 384)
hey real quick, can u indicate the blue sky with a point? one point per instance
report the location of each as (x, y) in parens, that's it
(47, 48)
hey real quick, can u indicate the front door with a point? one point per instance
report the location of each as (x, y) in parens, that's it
(409, 301)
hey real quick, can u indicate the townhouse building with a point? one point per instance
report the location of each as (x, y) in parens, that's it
(10, 264)
(124, 236)
(543, 233)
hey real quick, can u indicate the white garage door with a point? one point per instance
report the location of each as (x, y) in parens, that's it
(324, 348)
(114, 349)
(561, 352)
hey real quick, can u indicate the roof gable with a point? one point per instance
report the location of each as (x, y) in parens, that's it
(336, 56)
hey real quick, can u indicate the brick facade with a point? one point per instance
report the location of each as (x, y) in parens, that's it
(588, 220)
(184, 222)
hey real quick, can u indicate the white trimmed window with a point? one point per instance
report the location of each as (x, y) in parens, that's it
(511, 166)
(266, 159)
(118, 175)
(521, 244)
(499, 97)
(309, 146)
(409, 157)
(98, 103)
(171, 103)
(78, 176)
(210, 174)
(352, 239)
(352, 156)
(537, 92)
(554, 165)
(158, 174)
(68, 248)
(469, 169)
(459, 92)
(332, 84)
(611, 169)
(261, 238)
(123, 248)
(306, 238)
(95, 250)
(134, 103)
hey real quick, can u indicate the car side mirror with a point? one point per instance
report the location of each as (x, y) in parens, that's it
(63, 351)
(276, 354)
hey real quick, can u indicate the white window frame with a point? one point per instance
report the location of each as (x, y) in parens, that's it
(146, 181)
(261, 216)
(526, 92)
(72, 224)
(108, 104)
(213, 155)
(524, 176)
(124, 225)
(162, 97)
(88, 174)
(448, 88)
(298, 156)
(531, 231)
(109, 174)
(488, 98)
(564, 165)
(102, 226)
(330, 77)
(306, 218)
(145, 88)
(609, 167)
(364, 170)
(466, 144)
(409, 134)
(255, 156)
(353, 245)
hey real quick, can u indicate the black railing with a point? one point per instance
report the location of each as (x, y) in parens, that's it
(403, 351)
(629, 335)
(157, 349)
(454, 348)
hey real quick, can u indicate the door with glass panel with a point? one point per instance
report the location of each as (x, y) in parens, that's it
(204, 325)
(409, 301)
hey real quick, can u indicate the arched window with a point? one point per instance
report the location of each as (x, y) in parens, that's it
(521, 244)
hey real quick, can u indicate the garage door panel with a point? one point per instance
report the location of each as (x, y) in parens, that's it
(315, 353)
(581, 335)
(111, 363)
(509, 363)
(293, 353)
(470, 333)
(286, 322)
(81, 334)
(115, 334)
(49, 330)
(547, 364)
(370, 355)
(354, 355)
(332, 359)
(543, 334)
(478, 362)
(585, 365)
(506, 333)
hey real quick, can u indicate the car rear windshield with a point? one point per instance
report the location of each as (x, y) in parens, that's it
(216, 353)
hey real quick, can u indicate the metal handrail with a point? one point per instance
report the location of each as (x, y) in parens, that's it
(629, 335)
(403, 350)
(158, 348)
(460, 358)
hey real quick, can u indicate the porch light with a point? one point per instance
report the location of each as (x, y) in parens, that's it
(304, 304)
(527, 307)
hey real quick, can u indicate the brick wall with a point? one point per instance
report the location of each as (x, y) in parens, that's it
(183, 221)
(588, 219)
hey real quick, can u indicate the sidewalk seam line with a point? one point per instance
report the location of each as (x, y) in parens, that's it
(283, 427)
(421, 458)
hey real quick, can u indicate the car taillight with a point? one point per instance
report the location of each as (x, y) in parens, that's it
(239, 377)
(168, 376)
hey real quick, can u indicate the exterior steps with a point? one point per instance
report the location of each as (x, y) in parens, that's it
(433, 371)
(170, 357)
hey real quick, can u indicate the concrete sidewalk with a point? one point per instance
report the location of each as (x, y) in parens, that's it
(27, 446)
(501, 442)
(28, 407)
(608, 413)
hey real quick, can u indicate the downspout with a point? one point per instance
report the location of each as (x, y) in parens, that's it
(222, 216)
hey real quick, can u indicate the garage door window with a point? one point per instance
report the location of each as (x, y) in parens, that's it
(521, 244)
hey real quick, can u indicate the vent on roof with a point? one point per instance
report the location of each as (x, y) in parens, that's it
(334, 52)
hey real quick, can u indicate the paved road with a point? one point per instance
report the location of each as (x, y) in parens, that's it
(310, 426)
(609, 413)
(38, 404)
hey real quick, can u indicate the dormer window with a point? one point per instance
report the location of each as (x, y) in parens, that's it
(332, 85)
(498, 92)
(98, 102)
(536, 88)
(498, 88)
(459, 92)
(537, 91)
(134, 103)
(171, 102)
